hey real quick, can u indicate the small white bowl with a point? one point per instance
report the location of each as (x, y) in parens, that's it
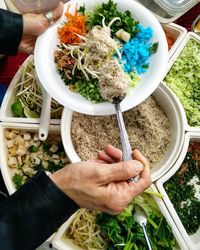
(6, 112)
(174, 57)
(62, 243)
(174, 111)
(5, 170)
(177, 32)
(192, 241)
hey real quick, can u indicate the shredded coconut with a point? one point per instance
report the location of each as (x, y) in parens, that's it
(147, 126)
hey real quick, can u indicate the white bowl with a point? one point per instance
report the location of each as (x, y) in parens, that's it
(193, 241)
(6, 112)
(174, 111)
(5, 170)
(62, 243)
(174, 57)
(47, 72)
(177, 33)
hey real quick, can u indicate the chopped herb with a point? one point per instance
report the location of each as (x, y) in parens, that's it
(17, 109)
(17, 180)
(82, 9)
(109, 11)
(153, 48)
(33, 149)
(182, 192)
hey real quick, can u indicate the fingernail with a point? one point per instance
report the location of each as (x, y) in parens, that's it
(138, 166)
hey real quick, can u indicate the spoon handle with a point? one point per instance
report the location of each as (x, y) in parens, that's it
(126, 147)
(146, 236)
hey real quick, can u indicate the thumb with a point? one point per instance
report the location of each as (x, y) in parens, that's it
(121, 171)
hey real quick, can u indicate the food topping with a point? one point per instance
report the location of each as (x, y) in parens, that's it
(147, 126)
(27, 155)
(184, 78)
(183, 189)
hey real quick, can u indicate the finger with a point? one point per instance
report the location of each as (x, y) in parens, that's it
(137, 155)
(121, 171)
(145, 176)
(104, 157)
(57, 12)
(114, 152)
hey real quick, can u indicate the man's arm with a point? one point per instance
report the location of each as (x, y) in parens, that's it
(33, 213)
(11, 30)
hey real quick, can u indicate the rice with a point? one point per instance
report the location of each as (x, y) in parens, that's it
(147, 126)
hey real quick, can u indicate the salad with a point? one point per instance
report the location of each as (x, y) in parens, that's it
(103, 52)
(95, 230)
(183, 189)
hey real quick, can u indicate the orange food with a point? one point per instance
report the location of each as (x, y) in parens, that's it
(76, 25)
(170, 40)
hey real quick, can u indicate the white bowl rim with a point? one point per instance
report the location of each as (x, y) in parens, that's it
(44, 62)
(157, 173)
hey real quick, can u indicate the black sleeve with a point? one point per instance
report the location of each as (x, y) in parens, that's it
(33, 213)
(11, 30)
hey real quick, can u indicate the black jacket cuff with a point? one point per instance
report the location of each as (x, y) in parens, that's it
(11, 30)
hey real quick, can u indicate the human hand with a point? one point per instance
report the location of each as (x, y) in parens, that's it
(101, 186)
(34, 25)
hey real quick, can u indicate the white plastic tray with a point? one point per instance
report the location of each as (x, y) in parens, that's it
(192, 241)
(62, 243)
(5, 170)
(5, 111)
(188, 36)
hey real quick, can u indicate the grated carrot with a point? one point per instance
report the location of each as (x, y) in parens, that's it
(76, 25)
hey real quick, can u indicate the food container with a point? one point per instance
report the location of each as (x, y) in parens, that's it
(193, 240)
(7, 173)
(174, 111)
(176, 34)
(29, 6)
(190, 69)
(196, 25)
(5, 112)
(168, 10)
(62, 243)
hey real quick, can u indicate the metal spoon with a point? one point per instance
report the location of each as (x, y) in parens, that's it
(126, 147)
(141, 219)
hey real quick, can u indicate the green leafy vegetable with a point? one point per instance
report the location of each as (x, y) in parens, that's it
(153, 49)
(17, 109)
(123, 232)
(182, 193)
(17, 180)
(109, 11)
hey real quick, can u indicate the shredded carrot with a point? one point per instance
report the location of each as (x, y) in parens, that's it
(76, 25)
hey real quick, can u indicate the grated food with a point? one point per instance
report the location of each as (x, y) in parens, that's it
(147, 126)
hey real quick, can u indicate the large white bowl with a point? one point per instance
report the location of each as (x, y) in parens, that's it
(54, 85)
(174, 111)
(193, 240)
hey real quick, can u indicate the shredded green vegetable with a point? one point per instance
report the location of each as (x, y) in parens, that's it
(184, 79)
